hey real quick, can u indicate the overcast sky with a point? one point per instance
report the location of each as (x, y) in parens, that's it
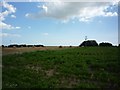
(58, 23)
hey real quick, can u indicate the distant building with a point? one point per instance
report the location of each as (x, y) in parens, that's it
(88, 43)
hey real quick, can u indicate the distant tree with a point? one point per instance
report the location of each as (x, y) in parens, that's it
(3, 46)
(70, 46)
(106, 44)
(89, 43)
(29, 45)
(39, 45)
(22, 45)
(60, 46)
(13, 45)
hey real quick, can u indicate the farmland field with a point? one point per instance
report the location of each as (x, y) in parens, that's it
(78, 67)
(14, 50)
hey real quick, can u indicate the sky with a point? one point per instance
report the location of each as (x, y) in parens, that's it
(58, 23)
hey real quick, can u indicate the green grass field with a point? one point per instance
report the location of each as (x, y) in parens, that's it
(84, 67)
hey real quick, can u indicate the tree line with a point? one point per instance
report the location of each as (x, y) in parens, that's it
(94, 43)
(23, 45)
(83, 44)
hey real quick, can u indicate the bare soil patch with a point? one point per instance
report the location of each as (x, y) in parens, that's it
(14, 50)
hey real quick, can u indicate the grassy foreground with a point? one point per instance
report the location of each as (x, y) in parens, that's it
(86, 67)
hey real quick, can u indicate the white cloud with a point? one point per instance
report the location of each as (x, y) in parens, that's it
(111, 14)
(73, 10)
(13, 16)
(9, 35)
(29, 27)
(43, 7)
(7, 26)
(84, 19)
(45, 34)
(10, 9)
(17, 27)
(27, 14)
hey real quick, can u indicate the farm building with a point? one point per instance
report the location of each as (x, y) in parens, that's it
(88, 43)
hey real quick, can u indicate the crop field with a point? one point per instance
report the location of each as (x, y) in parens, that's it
(78, 67)
(15, 50)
